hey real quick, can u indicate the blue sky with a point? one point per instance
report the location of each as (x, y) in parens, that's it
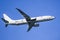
(46, 31)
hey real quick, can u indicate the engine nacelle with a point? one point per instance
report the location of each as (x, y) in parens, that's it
(36, 25)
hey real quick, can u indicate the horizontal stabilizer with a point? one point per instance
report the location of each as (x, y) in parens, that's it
(6, 25)
(4, 20)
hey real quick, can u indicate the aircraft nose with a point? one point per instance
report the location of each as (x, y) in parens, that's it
(53, 17)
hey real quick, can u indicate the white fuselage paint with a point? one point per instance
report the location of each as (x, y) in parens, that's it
(38, 19)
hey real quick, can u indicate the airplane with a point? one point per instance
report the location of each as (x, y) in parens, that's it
(32, 22)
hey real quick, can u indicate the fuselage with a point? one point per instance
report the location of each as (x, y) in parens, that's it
(38, 19)
(28, 20)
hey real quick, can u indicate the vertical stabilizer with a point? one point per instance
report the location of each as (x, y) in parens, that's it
(6, 17)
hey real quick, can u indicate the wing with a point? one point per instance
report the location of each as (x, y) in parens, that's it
(30, 25)
(28, 19)
(25, 15)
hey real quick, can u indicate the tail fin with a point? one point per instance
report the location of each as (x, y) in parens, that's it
(6, 19)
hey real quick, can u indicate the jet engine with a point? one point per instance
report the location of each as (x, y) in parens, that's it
(36, 25)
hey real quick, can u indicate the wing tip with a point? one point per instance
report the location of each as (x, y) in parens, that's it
(16, 8)
(27, 30)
